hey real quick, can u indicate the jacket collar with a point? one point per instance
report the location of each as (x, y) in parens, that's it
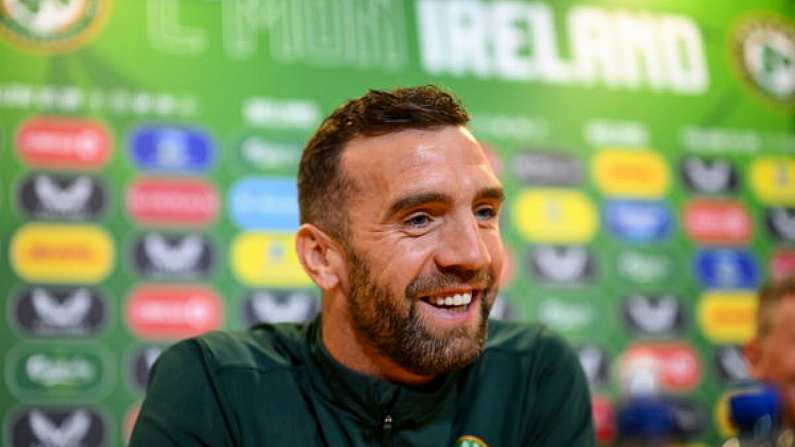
(369, 398)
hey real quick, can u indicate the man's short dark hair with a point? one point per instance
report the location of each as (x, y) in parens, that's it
(770, 295)
(322, 187)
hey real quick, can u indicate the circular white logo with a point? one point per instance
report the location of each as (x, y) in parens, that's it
(51, 25)
(764, 52)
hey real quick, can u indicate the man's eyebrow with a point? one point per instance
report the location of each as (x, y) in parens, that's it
(413, 200)
(495, 193)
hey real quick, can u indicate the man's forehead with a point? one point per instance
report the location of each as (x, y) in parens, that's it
(411, 149)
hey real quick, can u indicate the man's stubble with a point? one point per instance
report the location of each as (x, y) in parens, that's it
(402, 335)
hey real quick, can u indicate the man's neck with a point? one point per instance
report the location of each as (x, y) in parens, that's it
(355, 352)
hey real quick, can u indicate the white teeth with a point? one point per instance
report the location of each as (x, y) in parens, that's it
(459, 299)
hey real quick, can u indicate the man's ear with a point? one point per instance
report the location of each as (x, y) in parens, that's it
(320, 255)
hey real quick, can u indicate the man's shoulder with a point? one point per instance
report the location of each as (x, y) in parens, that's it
(263, 347)
(539, 377)
(524, 340)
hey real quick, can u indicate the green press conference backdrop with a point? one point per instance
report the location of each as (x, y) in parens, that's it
(148, 150)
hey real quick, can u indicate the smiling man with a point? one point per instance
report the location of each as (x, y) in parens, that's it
(771, 352)
(400, 230)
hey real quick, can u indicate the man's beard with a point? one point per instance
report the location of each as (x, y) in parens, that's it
(378, 316)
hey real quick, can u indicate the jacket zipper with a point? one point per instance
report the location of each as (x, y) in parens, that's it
(386, 433)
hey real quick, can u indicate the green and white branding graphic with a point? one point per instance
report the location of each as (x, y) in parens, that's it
(644, 267)
(270, 155)
(39, 371)
(51, 25)
(470, 441)
(520, 42)
(567, 316)
(763, 49)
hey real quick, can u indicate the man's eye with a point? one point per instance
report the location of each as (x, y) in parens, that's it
(485, 213)
(418, 220)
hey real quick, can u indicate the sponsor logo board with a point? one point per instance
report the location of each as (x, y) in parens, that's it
(59, 311)
(724, 268)
(58, 427)
(727, 316)
(140, 362)
(162, 201)
(38, 371)
(173, 256)
(721, 222)
(280, 113)
(548, 168)
(630, 173)
(566, 315)
(562, 264)
(267, 259)
(654, 315)
(709, 175)
(672, 365)
(171, 149)
(173, 312)
(62, 253)
(555, 216)
(61, 197)
(57, 142)
(595, 363)
(278, 306)
(645, 267)
(781, 223)
(638, 221)
(264, 203)
(270, 155)
(773, 180)
(731, 364)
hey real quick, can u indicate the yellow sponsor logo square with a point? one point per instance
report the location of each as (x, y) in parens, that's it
(630, 173)
(773, 180)
(62, 253)
(727, 316)
(555, 215)
(267, 259)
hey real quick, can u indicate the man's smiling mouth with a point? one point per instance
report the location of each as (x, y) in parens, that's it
(454, 302)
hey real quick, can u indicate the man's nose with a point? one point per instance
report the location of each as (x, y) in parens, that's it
(462, 245)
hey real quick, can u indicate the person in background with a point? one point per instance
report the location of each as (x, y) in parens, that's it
(400, 214)
(771, 352)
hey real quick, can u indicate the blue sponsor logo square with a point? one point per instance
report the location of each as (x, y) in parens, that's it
(726, 269)
(171, 149)
(637, 220)
(264, 203)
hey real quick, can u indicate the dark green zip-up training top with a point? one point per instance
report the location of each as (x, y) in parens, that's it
(276, 385)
